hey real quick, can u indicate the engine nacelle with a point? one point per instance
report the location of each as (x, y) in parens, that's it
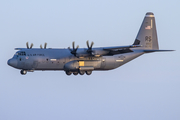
(71, 66)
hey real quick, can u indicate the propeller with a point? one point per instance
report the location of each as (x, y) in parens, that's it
(73, 51)
(45, 45)
(89, 50)
(27, 45)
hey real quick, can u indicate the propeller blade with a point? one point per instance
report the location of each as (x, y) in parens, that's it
(92, 43)
(27, 45)
(89, 50)
(45, 45)
(87, 42)
(73, 50)
(73, 45)
(77, 47)
(69, 49)
(31, 45)
(41, 46)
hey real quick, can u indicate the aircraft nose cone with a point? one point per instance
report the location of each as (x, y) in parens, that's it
(12, 62)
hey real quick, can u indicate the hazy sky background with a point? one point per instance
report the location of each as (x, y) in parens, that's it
(147, 88)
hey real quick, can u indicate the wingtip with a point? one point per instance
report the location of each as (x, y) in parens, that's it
(17, 48)
(20, 48)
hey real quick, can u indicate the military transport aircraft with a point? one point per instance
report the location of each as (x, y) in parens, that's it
(85, 60)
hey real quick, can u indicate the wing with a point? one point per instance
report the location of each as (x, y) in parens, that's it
(20, 48)
(121, 47)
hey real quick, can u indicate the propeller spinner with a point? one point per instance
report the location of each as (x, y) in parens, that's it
(74, 50)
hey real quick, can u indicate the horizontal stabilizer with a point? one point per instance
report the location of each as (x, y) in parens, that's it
(149, 51)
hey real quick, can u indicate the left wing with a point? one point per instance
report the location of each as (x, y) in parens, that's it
(20, 48)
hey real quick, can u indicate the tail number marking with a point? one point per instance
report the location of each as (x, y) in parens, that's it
(148, 39)
(148, 42)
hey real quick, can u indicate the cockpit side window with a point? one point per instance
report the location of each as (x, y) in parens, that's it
(22, 53)
(16, 53)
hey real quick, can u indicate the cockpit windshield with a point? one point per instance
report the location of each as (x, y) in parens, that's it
(22, 53)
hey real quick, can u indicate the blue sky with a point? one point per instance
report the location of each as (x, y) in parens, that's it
(145, 88)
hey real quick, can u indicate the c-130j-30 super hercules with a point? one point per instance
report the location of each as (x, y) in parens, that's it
(85, 60)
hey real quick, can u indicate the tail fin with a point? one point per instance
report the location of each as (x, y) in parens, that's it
(147, 35)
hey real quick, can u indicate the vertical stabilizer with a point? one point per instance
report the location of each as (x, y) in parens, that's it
(147, 35)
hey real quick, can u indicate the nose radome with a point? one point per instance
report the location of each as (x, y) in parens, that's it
(12, 62)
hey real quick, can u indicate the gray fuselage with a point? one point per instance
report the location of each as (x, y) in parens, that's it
(56, 59)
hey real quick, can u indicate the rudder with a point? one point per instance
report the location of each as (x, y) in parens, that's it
(147, 35)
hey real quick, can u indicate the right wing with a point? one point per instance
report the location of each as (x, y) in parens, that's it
(121, 47)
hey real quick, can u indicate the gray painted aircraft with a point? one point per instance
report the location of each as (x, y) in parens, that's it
(85, 60)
